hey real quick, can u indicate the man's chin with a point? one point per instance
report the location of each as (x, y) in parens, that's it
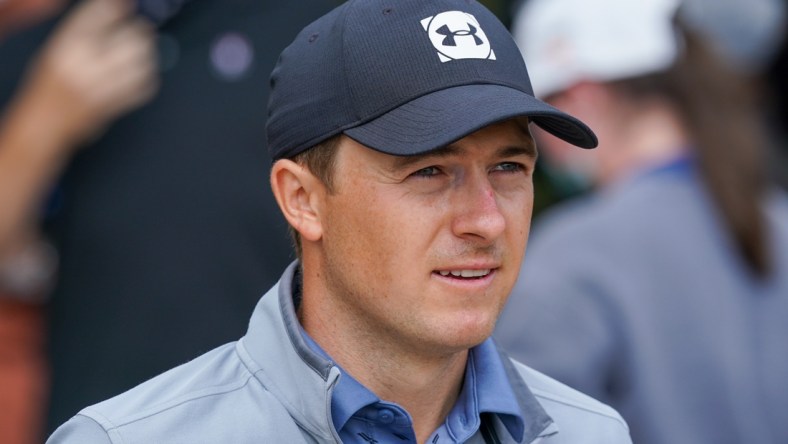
(460, 337)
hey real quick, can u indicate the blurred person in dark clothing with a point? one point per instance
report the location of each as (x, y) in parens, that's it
(166, 231)
(97, 65)
(664, 294)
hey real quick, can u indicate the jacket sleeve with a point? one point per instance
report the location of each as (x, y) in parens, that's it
(80, 430)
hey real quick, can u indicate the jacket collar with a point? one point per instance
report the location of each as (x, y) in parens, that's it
(276, 353)
(302, 380)
(537, 422)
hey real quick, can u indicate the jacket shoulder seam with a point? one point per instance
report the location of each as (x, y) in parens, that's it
(94, 413)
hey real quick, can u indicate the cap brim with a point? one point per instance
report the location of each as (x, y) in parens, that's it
(442, 117)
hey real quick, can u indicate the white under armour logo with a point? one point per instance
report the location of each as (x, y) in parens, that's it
(457, 35)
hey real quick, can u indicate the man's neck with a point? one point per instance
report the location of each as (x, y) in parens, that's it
(651, 136)
(425, 384)
(427, 391)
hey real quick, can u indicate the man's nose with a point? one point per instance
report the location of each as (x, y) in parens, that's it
(478, 216)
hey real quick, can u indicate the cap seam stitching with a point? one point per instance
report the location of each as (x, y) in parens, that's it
(346, 76)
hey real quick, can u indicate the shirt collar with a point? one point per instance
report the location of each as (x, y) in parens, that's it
(349, 396)
(486, 389)
(497, 395)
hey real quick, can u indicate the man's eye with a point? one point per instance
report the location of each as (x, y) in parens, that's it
(427, 172)
(508, 167)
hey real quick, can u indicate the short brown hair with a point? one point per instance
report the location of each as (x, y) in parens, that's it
(319, 160)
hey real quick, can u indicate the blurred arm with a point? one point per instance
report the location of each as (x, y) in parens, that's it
(97, 65)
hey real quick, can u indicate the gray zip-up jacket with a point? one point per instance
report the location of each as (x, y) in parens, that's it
(270, 387)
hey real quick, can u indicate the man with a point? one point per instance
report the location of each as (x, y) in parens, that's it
(403, 163)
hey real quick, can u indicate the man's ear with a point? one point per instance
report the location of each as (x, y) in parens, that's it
(299, 195)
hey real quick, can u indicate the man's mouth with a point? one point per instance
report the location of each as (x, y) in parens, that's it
(466, 274)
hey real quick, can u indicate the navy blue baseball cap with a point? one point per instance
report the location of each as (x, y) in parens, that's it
(404, 77)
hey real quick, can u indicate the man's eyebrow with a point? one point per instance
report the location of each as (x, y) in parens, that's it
(403, 162)
(528, 149)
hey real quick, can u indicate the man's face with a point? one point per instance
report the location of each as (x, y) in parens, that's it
(424, 250)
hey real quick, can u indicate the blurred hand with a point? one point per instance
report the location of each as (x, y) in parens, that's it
(99, 64)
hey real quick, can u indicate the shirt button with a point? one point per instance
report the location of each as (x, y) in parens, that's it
(385, 416)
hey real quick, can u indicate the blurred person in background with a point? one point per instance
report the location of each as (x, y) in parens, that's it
(97, 65)
(751, 34)
(165, 229)
(665, 293)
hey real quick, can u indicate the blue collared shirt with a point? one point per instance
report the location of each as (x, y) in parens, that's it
(361, 417)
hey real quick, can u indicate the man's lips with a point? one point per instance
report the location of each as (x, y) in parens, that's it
(466, 273)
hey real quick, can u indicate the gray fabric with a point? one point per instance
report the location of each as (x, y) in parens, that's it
(636, 297)
(270, 387)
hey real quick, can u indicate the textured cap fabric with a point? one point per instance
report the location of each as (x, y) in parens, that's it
(403, 77)
(568, 41)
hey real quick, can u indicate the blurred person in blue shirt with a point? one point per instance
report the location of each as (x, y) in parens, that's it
(665, 293)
